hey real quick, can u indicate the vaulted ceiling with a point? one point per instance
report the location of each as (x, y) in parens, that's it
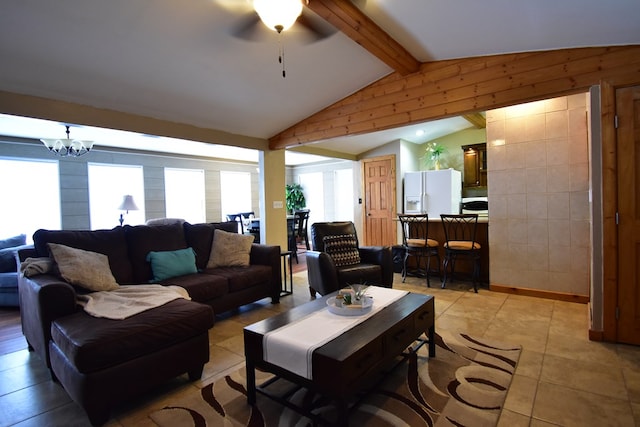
(177, 68)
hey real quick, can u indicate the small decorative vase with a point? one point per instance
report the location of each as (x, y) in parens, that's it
(437, 164)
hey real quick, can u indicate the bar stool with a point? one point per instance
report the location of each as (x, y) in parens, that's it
(417, 244)
(460, 241)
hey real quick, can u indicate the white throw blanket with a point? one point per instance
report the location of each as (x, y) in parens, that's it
(292, 346)
(128, 300)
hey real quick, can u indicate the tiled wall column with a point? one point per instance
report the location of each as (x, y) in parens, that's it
(538, 174)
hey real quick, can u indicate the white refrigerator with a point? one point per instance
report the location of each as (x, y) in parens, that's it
(433, 192)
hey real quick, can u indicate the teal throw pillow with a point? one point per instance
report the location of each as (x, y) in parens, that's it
(167, 264)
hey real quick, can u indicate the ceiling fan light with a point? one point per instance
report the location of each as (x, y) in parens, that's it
(278, 15)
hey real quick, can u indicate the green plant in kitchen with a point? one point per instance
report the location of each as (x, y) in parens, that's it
(294, 197)
(433, 153)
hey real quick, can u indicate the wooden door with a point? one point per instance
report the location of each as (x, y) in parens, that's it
(379, 181)
(628, 136)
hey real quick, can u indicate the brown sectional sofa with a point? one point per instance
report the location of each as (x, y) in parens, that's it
(101, 362)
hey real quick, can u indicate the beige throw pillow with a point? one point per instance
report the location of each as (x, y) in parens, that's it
(230, 249)
(86, 269)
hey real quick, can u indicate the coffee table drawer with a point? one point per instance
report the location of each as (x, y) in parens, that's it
(396, 339)
(424, 317)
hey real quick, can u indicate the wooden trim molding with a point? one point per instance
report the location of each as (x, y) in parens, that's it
(462, 86)
(538, 293)
(609, 209)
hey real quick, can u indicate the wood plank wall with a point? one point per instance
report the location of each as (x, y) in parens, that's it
(454, 87)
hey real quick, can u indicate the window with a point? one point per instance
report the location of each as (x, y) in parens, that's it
(343, 193)
(235, 192)
(313, 186)
(108, 184)
(184, 194)
(30, 197)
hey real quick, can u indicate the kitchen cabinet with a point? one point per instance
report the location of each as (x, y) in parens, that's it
(475, 165)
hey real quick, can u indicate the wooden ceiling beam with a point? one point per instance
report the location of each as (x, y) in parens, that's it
(463, 86)
(350, 20)
(476, 119)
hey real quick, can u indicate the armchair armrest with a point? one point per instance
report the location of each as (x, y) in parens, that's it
(321, 270)
(382, 256)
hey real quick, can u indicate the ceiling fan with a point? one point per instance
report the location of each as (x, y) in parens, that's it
(280, 16)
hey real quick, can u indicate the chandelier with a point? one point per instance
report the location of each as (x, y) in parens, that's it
(68, 147)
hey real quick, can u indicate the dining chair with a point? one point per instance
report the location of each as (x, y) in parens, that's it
(460, 241)
(417, 244)
(238, 218)
(301, 226)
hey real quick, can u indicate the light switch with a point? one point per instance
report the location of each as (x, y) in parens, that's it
(277, 204)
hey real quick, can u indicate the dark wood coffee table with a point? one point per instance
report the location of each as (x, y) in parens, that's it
(350, 363)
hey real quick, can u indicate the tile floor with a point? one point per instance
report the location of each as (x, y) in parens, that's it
(562, 378)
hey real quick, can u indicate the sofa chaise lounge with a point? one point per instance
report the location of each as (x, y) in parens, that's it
(102, 362)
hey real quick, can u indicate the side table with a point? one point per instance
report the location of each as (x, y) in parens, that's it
(287, 287)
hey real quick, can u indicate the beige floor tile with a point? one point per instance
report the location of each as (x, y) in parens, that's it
(521, 395)
(480, 309)
(579, 349)
(512, 419)
(632, 382)
(540, 423)
(567, 407)
(531, 334)
(530, 364)
(220, 359)
(535, 309)
(636, 412)
(233, 344)
(629, 356)
(587, 376)
(453, 323)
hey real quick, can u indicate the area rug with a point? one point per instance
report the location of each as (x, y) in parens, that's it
(464, 385)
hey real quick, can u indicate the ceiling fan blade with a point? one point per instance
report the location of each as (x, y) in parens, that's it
(249, 28)
(318, 27)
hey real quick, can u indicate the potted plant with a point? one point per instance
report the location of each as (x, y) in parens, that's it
(294, 197)
(433, 153)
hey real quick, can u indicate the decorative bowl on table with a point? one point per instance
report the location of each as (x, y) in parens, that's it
(350, 309)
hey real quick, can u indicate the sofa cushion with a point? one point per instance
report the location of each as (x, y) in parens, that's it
(11, 242)
(343, 249)
(201, 287)
(200, 238)
(230, 249)
(8, 262)
(92, 344)
(142, 239)
(89, 270)
(166, 264)
(112, 243)
(240, 278)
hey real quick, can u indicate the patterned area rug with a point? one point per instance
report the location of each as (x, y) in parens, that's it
(464, 385)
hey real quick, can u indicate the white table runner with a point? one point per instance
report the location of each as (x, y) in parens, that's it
(291, 346)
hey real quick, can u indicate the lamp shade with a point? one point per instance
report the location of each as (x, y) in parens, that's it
(128, 204)
(278, 15)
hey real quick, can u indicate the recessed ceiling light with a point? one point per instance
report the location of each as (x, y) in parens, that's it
(419, 132)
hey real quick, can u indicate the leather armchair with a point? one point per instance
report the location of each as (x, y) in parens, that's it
(375, 267)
